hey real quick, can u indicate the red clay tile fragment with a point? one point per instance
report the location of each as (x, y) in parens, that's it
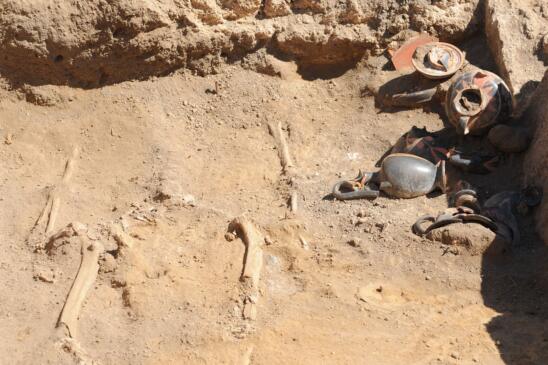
(402, 57)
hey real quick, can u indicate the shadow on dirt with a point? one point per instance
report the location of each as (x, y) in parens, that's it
(516, 286)
(310, 72)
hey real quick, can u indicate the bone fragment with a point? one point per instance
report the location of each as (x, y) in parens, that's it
(87, 273)
(253, 262)
(246, 358)
(293, 202)
(123, 239)
(48, 216)
(72, 229)
(304, 242)
(73, 347)
(253, 239)
(285, 157)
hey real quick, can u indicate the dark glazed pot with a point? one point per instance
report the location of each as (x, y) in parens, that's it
(401, 176)
(476, 101)
(408, 176)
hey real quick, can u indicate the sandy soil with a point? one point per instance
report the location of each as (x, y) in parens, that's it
(173, 160)
(148, 175)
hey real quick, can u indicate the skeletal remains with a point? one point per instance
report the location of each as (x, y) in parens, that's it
(253, 262)
(87, 273)
(48, 217)
(288, 167)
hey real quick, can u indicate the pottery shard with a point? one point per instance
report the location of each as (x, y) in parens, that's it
(402, 57)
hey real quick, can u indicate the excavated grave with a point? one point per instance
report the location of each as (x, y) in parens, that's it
(189, 114)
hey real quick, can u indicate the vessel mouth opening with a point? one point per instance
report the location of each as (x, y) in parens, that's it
(469, 102)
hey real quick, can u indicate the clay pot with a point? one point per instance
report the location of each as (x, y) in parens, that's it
(476, 101)
(401, 176)
(408, 176)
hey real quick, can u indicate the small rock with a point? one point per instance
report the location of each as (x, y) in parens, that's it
(381, 226)
(267, 239)
(45, 274)
(189, 200)
(455, 355)
(229, 236)
(108, 263)
(354, 242)
(276, 8)
(9, 139)
(118, 283)
(359, 221)
(362, 213)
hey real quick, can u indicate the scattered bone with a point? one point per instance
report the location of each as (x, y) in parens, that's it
(293, 202)
(253, 262)
(122, 238)
(87, 273)
(45, 274)
(72, 229)
(49, 214)
(304, 242)
(288, 170)
(73, 347)
(63, 233)
(285, 158)
(250, 308)
(246, 358)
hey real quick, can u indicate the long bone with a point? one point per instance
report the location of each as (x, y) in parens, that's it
(49, 213)
(286, 161)
(253, 262)
(87, 273)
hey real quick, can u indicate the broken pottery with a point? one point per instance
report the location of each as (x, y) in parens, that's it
(476, 101)
(401, 176)
(402, 58)
(438, 60)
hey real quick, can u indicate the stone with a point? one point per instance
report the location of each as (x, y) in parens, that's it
(276, 8)
(354, 242)
(513, 37)
(46, 274)
(107, 263)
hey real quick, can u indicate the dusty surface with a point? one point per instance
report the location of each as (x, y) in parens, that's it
(165, 164)
(517, 32)
(93, 43)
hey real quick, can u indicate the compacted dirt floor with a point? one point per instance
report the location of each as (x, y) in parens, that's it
(172, 160)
